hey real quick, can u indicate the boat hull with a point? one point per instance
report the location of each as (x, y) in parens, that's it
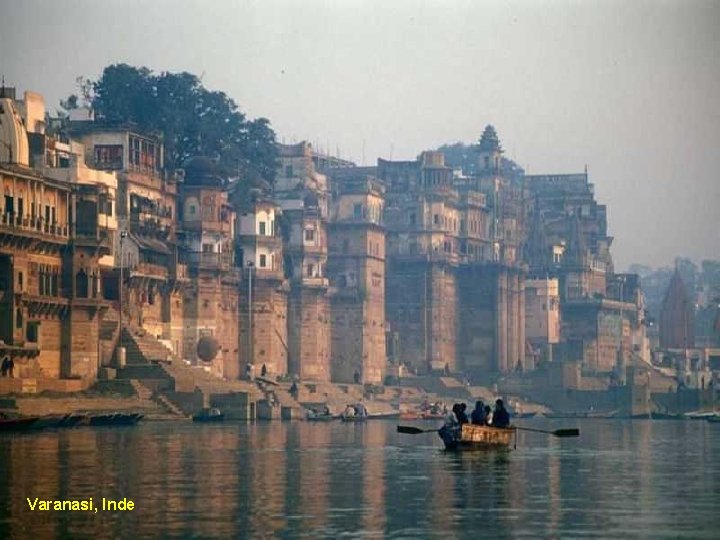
(473, 437)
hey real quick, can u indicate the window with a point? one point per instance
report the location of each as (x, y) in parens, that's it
(108, 156)
(436, 219)
(192, 210)
(20, 281)
(310, 270)
(357, 211)
(208, 248)
(263, 261)
(31, 331)
(262, 228)
(413, 218)
(309, 235)
(9, 204)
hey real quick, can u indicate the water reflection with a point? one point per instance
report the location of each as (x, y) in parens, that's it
(325, 480)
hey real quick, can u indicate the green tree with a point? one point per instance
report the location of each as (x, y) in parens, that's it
(191, 119)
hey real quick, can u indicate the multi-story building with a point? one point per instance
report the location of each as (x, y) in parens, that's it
(455, 282)
(302, 194)
(356, 269)
(264, 327)
(210, 299)
(55, 229)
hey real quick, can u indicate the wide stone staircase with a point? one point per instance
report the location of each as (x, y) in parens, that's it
(142, 348)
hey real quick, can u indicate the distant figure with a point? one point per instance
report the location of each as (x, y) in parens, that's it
(447, 369)
(478, 415)
(360, 410)
(263, 371)
(249, 372)
(11, 367)
(501, 418)
(356, 377)
(349, 411)
(488, 415)
(5, 366)
(294, 390)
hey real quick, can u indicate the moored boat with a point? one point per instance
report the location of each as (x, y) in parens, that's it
(476, 437)
(115, 419)
(714, 419)
(17, 424)
(356, 418)
(209, 415)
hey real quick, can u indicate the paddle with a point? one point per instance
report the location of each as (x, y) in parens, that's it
(414, 430)
(572, 432)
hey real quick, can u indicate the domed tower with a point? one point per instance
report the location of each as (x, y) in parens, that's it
(490, 155)
(210, 303)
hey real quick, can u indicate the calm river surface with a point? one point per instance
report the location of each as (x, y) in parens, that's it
(619, 479)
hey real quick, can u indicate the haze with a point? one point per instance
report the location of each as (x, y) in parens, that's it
(628, 88)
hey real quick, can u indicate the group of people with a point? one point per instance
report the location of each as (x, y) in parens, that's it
(482, 415)
(358, 409)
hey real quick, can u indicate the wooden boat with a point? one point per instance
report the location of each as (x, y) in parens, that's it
(714, 419)
(115, 419)
(209, 415)
(475, 437)
(320, 417)
(17, 424)
(356, 418)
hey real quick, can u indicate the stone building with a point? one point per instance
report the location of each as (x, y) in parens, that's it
(263, 294)
(677, 316)
(55, 228)
(602, 312)
(356, 269)
(302, 194)
(455, 282)
(147, 215)
(210, 297)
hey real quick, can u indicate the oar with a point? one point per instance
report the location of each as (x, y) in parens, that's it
(573, 432)
(414, 430)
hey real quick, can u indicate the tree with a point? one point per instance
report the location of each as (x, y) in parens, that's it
(191, 119)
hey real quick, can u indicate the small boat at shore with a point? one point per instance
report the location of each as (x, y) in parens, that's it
(476, 437)
(114, 419)
(714, 419)
(17, 424)
(209, 415)
(356, 418)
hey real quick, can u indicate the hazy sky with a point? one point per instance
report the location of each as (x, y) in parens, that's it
(632, 89)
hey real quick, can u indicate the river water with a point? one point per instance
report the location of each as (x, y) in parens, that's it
(619, 479)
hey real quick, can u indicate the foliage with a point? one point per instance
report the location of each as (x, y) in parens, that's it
(192, 120)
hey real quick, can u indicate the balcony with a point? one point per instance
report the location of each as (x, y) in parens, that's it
(149, 270)
(209, 261)
(35, 227)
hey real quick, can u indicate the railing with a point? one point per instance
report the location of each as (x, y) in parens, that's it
(208, 260)
(34, 225)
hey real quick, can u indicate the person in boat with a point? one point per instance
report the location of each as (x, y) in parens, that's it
(478, 415)
(459, 410)
(450, 431)
(361, 410)
(488, 415)
(349, 411)
(501, 417)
